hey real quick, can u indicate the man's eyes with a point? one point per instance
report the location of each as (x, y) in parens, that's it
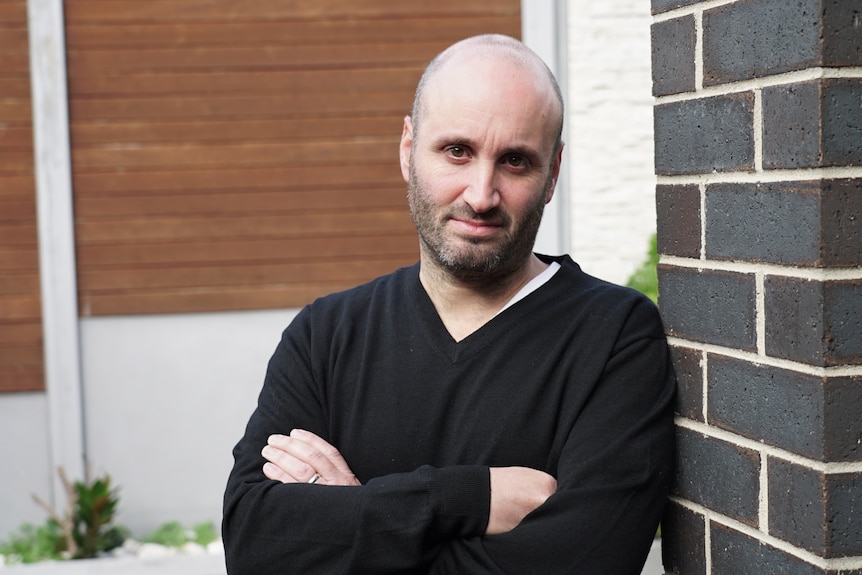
(456, 151)
(516, 161)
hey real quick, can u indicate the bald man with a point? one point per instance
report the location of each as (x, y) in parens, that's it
(486, 410)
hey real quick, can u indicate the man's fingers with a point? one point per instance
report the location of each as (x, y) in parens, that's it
(302, 454)
(284, 467)
(321, 450)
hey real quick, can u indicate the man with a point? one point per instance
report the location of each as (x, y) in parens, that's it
(487, 410)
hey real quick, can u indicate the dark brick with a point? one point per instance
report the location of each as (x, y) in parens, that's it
(791, 125)
(817, 417)
(779, 407)
(810, 223)
(689, 382)
(739, 554)
(843, 321)
(683, 545)
(678, 216)
(841, 222)
(659, 6)
(708, 306)
(842, 423)
(718, 475)
(813, 124)
(775, 223)
(815, 511)
(673, 43)
(842, 40)
(842, 121)
(812, 321)
(756, 38)
(705, 135)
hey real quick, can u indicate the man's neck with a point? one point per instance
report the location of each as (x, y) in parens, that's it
(465, 306)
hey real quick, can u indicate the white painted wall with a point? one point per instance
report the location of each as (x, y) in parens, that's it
(25, 463)
(166, 398)
(610, 131)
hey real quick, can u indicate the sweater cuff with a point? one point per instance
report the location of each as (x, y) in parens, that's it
(461, 499)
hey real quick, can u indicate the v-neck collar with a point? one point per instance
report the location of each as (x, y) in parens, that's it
(438, 337)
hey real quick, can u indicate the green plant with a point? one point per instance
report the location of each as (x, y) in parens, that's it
(84, 527)
(31, 544)
(95, 507)
(172, 534)
(645, 278)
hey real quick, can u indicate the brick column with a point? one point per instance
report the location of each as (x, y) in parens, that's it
(758, 139)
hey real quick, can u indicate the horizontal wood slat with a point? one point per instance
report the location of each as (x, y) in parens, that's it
(247, 201)
(20, 308)
(114, 11)
(244, 155)
(285, 32)
(181, 229)
(252, 58)
(229, 178)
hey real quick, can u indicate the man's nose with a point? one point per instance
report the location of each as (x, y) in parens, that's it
(482, 193)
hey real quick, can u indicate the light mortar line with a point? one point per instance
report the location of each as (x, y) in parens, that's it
(763, 510)
(766, 176)
(827, 468)
(702, 189)
(794, 77)
(757, 359)
(704, 367)
(698, 51)
(760, 311)
(686, 10)
(757, 114)
(816, 274)
(842, 563)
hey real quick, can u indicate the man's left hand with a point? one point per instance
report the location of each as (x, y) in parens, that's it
(303, 457)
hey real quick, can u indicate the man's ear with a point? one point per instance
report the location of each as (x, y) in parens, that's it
(405, 147)
(555, 173)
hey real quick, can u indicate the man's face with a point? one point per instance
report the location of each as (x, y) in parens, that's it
(480, 168)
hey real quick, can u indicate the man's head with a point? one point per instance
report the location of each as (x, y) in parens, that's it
(481, 154)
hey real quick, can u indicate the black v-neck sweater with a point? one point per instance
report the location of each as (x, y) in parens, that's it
(574, 380)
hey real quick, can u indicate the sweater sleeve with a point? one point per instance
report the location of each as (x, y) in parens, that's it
(392, 523)
(613, 476)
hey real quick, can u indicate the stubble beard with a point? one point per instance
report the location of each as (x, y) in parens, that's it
(472, 260)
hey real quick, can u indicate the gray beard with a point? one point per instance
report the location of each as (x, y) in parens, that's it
(473, 263)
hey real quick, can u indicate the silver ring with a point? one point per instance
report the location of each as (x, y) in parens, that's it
(314, 478)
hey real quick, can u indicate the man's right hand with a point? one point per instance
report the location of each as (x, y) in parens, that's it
(515, 492)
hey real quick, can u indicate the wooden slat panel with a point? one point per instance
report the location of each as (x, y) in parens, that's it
(212, 299)
(116, 11)
(224, 83)
(15, 333)
(281, 225)
(22, 283)
(243, 155)
(283, 178)
(18, 186)
(254, 58)
(243, 251)
(345, 269)
(20, 309)
(240, 202)
(329, 31)
(15, 111)
(12, 86)
(238, 155)
(251, 129)
(19, 379)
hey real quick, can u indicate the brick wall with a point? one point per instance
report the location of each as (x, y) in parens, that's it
(758, 151)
